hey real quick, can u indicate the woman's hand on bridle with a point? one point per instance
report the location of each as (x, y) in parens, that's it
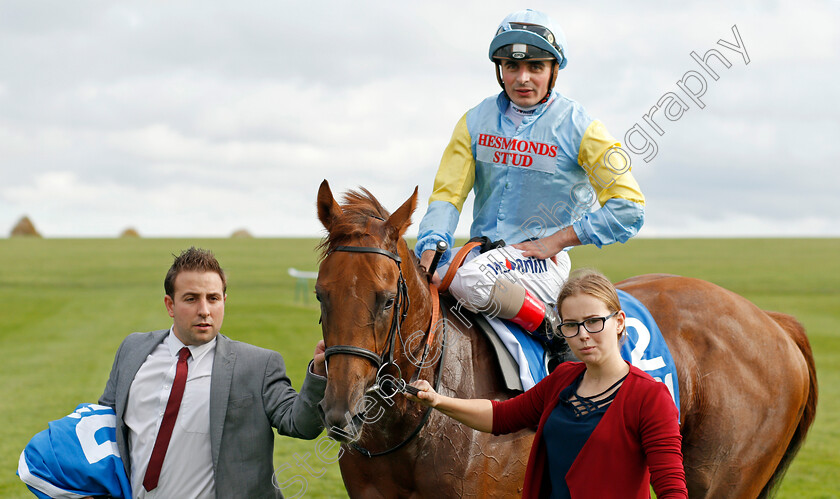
(426, 396)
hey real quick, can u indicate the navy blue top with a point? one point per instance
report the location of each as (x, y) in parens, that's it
(568, 428)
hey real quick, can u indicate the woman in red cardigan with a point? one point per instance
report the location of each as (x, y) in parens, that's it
(604, 427)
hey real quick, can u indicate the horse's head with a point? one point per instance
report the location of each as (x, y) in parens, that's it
(364, 281)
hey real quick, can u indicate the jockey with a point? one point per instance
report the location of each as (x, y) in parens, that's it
(536, 162)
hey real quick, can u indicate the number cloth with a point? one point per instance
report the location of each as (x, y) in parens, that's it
(645, 347)
(76, 456)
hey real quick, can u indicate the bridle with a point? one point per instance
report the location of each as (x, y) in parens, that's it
(401, 304)
(386, 358)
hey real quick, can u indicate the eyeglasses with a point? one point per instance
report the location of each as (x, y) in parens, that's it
(592, 325)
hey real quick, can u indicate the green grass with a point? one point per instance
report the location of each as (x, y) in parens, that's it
(65, 305)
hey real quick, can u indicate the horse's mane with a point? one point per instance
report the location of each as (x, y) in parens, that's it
(358, 208)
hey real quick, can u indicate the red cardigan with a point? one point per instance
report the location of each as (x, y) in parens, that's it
(637, 439)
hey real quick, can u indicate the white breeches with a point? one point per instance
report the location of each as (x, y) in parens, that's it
(474, 282)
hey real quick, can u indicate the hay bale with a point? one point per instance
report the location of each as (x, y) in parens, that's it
(241, 234)
(25, 228)
(130, 232)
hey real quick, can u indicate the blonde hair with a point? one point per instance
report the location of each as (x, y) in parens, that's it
(595, 284)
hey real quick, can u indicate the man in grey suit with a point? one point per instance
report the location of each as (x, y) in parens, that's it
(195, 409)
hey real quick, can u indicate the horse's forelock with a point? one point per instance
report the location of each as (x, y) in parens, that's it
(363, 202)
(358, 208)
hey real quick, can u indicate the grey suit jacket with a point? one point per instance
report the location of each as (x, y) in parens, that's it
(249, 394)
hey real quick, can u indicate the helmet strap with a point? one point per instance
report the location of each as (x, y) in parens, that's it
(554, 68)
(499, 75)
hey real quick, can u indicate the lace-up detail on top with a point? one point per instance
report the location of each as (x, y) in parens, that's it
(586, 405)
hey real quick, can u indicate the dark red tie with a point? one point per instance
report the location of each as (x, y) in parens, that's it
(169, 417)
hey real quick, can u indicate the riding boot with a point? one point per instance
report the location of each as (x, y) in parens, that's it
(556, 349)
(535, 316)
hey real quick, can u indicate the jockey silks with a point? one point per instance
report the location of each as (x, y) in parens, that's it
(533, 179)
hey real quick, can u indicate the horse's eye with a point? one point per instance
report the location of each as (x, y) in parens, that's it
(389, 303)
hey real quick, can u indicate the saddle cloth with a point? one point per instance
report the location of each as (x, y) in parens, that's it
(76, 457)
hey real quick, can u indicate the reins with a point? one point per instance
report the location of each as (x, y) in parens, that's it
(455, 264)
(428, 410)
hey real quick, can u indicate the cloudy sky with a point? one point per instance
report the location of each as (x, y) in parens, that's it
(197, 118)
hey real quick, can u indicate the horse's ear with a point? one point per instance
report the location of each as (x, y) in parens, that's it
(328, 209)
(401, 219)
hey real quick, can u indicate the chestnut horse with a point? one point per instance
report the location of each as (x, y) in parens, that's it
(746, 377)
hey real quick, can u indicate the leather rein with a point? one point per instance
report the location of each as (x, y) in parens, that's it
(386, 358)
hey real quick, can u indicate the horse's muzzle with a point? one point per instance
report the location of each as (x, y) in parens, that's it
(343, 428)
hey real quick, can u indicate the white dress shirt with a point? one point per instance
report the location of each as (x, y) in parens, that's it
(187, 470)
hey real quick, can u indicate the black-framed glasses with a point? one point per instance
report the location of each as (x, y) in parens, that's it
(592, 325)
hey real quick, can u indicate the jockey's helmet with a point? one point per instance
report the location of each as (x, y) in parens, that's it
(529, 34)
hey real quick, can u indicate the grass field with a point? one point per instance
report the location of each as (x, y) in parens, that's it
(65, 305)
